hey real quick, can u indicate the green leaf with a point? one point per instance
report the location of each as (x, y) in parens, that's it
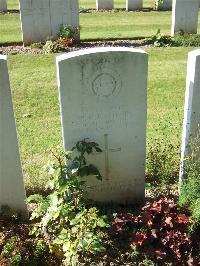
(83, 244)
(101, 223)
(84, 171)
(35, 198)
(98, 149)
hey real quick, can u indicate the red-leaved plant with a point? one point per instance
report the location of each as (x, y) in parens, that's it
(160, 233)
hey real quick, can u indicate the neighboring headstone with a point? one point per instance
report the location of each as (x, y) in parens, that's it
(165, 5)
(191, 123)
(134, 5)
(185, 16)
(41, 19)
(12, 193)
(103, 97)
(3, 5)
(104, 4)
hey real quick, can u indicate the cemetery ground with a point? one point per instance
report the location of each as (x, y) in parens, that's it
(35, 99)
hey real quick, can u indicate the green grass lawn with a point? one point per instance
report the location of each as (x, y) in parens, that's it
(115, 25)
(100, 25)
(34, 88)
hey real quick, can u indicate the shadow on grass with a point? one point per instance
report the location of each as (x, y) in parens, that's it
(114, 10)
(6, 44)
(10, 11)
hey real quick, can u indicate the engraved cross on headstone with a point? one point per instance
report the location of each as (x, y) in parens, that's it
(107, 150)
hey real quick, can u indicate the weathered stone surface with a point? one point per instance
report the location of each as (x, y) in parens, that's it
(3, 5)
(134, 5)
(184, 16)
(41, 19)
(191, 123)
(104, 4)
(12, 193)
(102, 95)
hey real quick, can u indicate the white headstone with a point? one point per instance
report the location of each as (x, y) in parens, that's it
(3, 5)
(185, 16)
(191, 123)
(41, 19)
(103, 97)
(104, 4)
(134, 5)
(12, 193)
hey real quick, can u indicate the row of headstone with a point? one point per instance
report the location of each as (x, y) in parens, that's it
(131, 5)
(12, 192)
(3, 5)
(41, 19)
(105, 101)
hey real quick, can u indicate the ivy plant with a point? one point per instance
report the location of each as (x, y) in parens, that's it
(63, 219)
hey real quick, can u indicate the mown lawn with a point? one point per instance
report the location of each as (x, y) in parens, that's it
(100, 25)
(34, 88)
(115, 25)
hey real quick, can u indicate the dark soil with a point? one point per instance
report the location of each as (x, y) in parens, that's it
(117, 239)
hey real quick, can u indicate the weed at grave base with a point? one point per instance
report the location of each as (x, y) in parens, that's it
(66, 38)
(63, 219)
(162, 162)
(180, 39)
(190, 187)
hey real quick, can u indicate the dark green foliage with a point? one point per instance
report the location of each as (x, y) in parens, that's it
(180, 39)
(158, 40)
(190, 190)
(66, 31)
(9, 247)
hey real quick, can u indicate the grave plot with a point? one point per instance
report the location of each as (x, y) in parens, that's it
(185, 16)
(105, 101)
(41, 19)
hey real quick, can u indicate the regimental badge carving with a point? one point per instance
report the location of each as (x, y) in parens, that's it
(106, 83)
